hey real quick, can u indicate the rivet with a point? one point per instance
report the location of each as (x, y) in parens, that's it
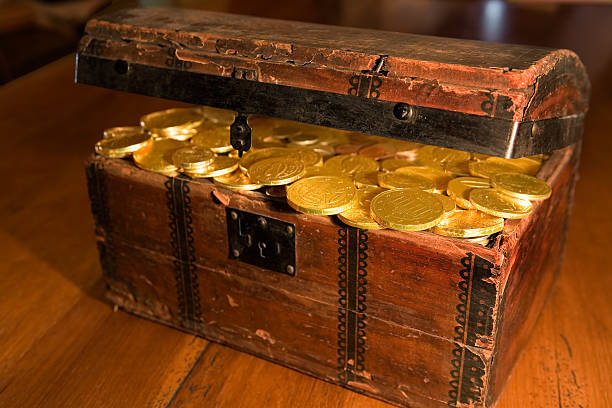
(234, 215)
(289, 229)
(236, 253)
(403, 111)
(290, 269)
(262, 222)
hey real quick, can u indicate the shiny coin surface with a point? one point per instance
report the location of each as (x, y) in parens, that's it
(276, 192)
(527, 165)
(398, 180)
(439, 177)
(322, 195)
(366, 179)
(220, 165)
(313, 171)
(304, 139)
(468, 224)
(236, 181)
(521, 186)
(308, 156)
(219, 116)
(488, 168)
(276, 171)
(254, 156)
(156, 155)
(459, 189)
(215, 138)
(378, 151)
(406, 209)
(493, 202)
(348, 165)
(394, 164)
(122, 144)
(447, 202)
(172, 121)
(192, 157)
(122, 131)
(347, 148)
(359, 215)
(441, 157)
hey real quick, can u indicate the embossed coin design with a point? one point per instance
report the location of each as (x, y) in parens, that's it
(491, 201)
(192, 157)
(521, 186)
(359, 215)
(322, 195)
(156, 156)
(459, 189)
(397, 180)
(488, 168)
(236, 181)
(468, 224)
(442, 158)
(121, 144)
(254, 156)
(348, 165)
(406, 209)
(276, 171)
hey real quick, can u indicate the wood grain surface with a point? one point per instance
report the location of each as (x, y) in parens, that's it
(62, 344)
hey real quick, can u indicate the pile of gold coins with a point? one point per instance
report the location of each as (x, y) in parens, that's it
(368, 182)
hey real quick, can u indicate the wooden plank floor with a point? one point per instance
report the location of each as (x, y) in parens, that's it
(63, 345)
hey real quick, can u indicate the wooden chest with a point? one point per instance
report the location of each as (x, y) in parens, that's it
(412, 318)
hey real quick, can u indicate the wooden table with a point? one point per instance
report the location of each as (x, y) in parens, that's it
(63, 345)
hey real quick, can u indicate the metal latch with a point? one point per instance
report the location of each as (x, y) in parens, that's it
(261, 241)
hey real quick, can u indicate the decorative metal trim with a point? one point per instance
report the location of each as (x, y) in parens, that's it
(181, 239)
(96, 188)
(352, 289)
(475, 321)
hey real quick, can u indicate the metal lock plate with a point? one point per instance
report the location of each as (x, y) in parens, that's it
(261, 241)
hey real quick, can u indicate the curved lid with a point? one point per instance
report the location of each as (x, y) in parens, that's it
(392, 84)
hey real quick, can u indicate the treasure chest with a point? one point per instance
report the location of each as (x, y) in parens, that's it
(413, 318)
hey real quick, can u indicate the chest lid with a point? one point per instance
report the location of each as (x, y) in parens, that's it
(498, 99)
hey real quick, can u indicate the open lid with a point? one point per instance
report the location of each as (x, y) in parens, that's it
(498, 99)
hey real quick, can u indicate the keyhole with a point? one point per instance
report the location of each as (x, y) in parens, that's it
(262, 246)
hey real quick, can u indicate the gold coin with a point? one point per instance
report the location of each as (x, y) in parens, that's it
(406, 209)
(286, 129)
(398, 180)
(215, 138)
(254, 156)
(308, 156)
(156, 156)
(394, 164)
(378, 151)
(348, 165)
(491, 201)
(219, 116)
(172, 121)
(303, 139)
(439, 177)
(441, 158)
(236, 181)
(447, 203)
(527, 165)
(468, 224)
(521, 186)
(313, 171)
(220, 165)
(478, 240)
(192, 157)
(119, 131)
(488, 168)
(121, 144)
(276, 171)
(359, 215)
(322, 195)
(459, 189)
(366, 179)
